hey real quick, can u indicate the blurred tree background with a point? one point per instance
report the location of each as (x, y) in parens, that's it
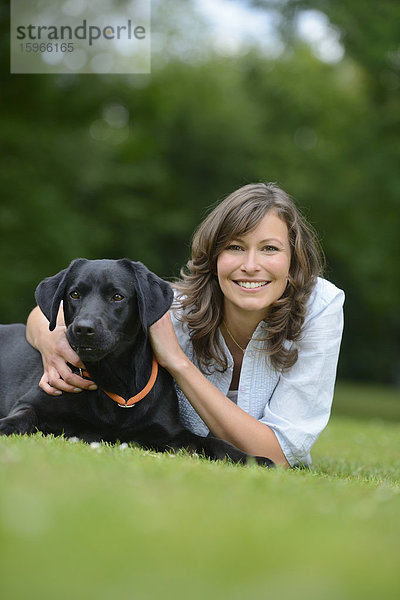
(114, 166)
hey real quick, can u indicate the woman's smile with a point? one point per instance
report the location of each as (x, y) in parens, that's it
(251, 284)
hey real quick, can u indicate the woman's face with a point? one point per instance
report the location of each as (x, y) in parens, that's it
(253, 269)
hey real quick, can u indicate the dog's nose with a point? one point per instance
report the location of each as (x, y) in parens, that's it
(84, 328)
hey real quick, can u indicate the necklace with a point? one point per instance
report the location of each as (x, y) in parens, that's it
(233, 339)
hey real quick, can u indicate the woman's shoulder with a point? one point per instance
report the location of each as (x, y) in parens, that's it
(325, 296)
(177, 308)
(180, 326)
(326, 291)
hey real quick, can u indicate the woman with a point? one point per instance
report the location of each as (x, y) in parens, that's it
(254, 335)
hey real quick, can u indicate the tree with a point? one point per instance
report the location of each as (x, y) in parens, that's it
(112, 166)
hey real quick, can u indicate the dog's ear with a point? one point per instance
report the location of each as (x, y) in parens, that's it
(50, 292)
(154, 295)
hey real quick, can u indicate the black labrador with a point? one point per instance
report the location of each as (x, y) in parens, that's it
(108, 307)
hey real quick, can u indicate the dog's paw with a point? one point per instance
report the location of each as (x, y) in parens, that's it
(238, 456)
(263, 461)
(232, 453)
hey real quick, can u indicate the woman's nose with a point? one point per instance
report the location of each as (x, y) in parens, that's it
(250, 262)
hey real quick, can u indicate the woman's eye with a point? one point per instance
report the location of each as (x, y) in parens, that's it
(118, 297)
(75, 294)
(234, 247)
(270, 248)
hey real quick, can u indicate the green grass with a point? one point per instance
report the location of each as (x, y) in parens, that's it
(80, 522)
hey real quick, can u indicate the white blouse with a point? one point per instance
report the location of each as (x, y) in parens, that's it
(295, 404)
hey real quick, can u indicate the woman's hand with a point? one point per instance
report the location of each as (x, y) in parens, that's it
(56, 352)
(165, 344)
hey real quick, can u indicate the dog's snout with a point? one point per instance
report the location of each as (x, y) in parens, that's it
(84, 328)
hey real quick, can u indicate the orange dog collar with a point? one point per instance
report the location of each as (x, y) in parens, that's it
(137, 397)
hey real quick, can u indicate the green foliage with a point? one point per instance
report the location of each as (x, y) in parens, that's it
(102, 166)
(107, 521)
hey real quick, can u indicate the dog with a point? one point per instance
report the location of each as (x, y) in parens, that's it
(108, 307)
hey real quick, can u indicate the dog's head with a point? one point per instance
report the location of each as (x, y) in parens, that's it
(106, 303)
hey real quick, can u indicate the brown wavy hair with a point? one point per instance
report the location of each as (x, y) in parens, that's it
(199, 293)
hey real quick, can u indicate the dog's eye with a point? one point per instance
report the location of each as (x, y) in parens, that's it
(75, 294)
(118, 297)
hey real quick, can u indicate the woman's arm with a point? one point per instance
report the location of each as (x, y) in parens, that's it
(56, 352)
(225, 419)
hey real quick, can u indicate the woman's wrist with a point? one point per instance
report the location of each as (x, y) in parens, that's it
(35, 326)
(178, 366)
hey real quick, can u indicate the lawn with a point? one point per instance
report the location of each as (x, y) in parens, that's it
(112, 522)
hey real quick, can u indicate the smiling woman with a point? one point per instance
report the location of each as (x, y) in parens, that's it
(255, 235)
(255, 333)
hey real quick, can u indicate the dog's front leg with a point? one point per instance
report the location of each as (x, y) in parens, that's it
(23, 420)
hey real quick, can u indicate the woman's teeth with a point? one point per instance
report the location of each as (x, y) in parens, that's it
(252, 284)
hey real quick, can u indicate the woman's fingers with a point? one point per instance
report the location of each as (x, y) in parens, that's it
(46, 387)
(58, 376)
(61, 379)
(58, 357)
